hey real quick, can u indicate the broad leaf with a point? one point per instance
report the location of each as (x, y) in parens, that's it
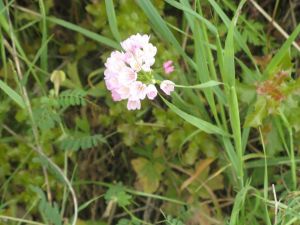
(118, 194)
(255, 118)
(149, 173)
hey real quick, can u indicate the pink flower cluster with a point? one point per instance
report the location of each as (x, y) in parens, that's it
(128, 75)
(168, 67)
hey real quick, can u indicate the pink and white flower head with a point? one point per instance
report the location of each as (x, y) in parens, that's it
(168, 66)
(167, 86)
(128, 74)
(151, 91)
(133, 104)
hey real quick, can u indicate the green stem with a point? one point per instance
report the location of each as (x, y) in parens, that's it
(134, 217)
(5, 218)
(291, 150)
(236, 128)
(265, 178)
(35, 130)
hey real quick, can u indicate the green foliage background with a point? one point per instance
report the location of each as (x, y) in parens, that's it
(147, 166)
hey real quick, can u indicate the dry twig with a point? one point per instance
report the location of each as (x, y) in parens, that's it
(276, 25)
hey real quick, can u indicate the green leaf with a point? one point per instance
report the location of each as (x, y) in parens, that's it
(72, 97)
(160, 26)
(183, 6)
(88, 203)
(44, 161)
(273, 142)
(12, 94)
(117, 193)
(238, 205)
(246, 93)
(44, 55)
(199, 123)
(173, 221)
(85, 32)
(208, 84)
(45, 117)
(149, 173)
(237, 36)
(203, 72)
(110, 11)
(271, 68)
(81, 141)
(255, 118)
(49, 211)
(252, 32)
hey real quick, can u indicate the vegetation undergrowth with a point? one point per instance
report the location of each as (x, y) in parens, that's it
(223, 148)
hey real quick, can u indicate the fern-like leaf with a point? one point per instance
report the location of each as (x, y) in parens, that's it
(75, 143)
(173, 221)
(72, 97)
(49, 211)
(45, 118)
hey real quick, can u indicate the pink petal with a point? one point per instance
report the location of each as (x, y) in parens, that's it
(133, 105)
(167, 86)
(151, 91)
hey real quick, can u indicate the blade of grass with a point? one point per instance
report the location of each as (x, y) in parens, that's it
(86, 204)
(190, 108)
(134, 192)
(220, 59)
(3, 14)
(4, 24)
(267, 217)
(245, 21)
(208, 84)
(280, 129)
(92, 35)
(237, 36)
(271, 67)
(245, 137)
(203, 74)
(229, 80)
(28, 25)
(236, 128)
(189, 137)
(191, 15)
(12, 94)
(238, 205)
(160, 27)
(44, 55)
(8, 218)
(271, 162)
(220, 97)
(199, 123)
(111, 15)
(87, 33)
(3, 56)
(233, 158)
(34, 61)
(185, 7)
(291, 150)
